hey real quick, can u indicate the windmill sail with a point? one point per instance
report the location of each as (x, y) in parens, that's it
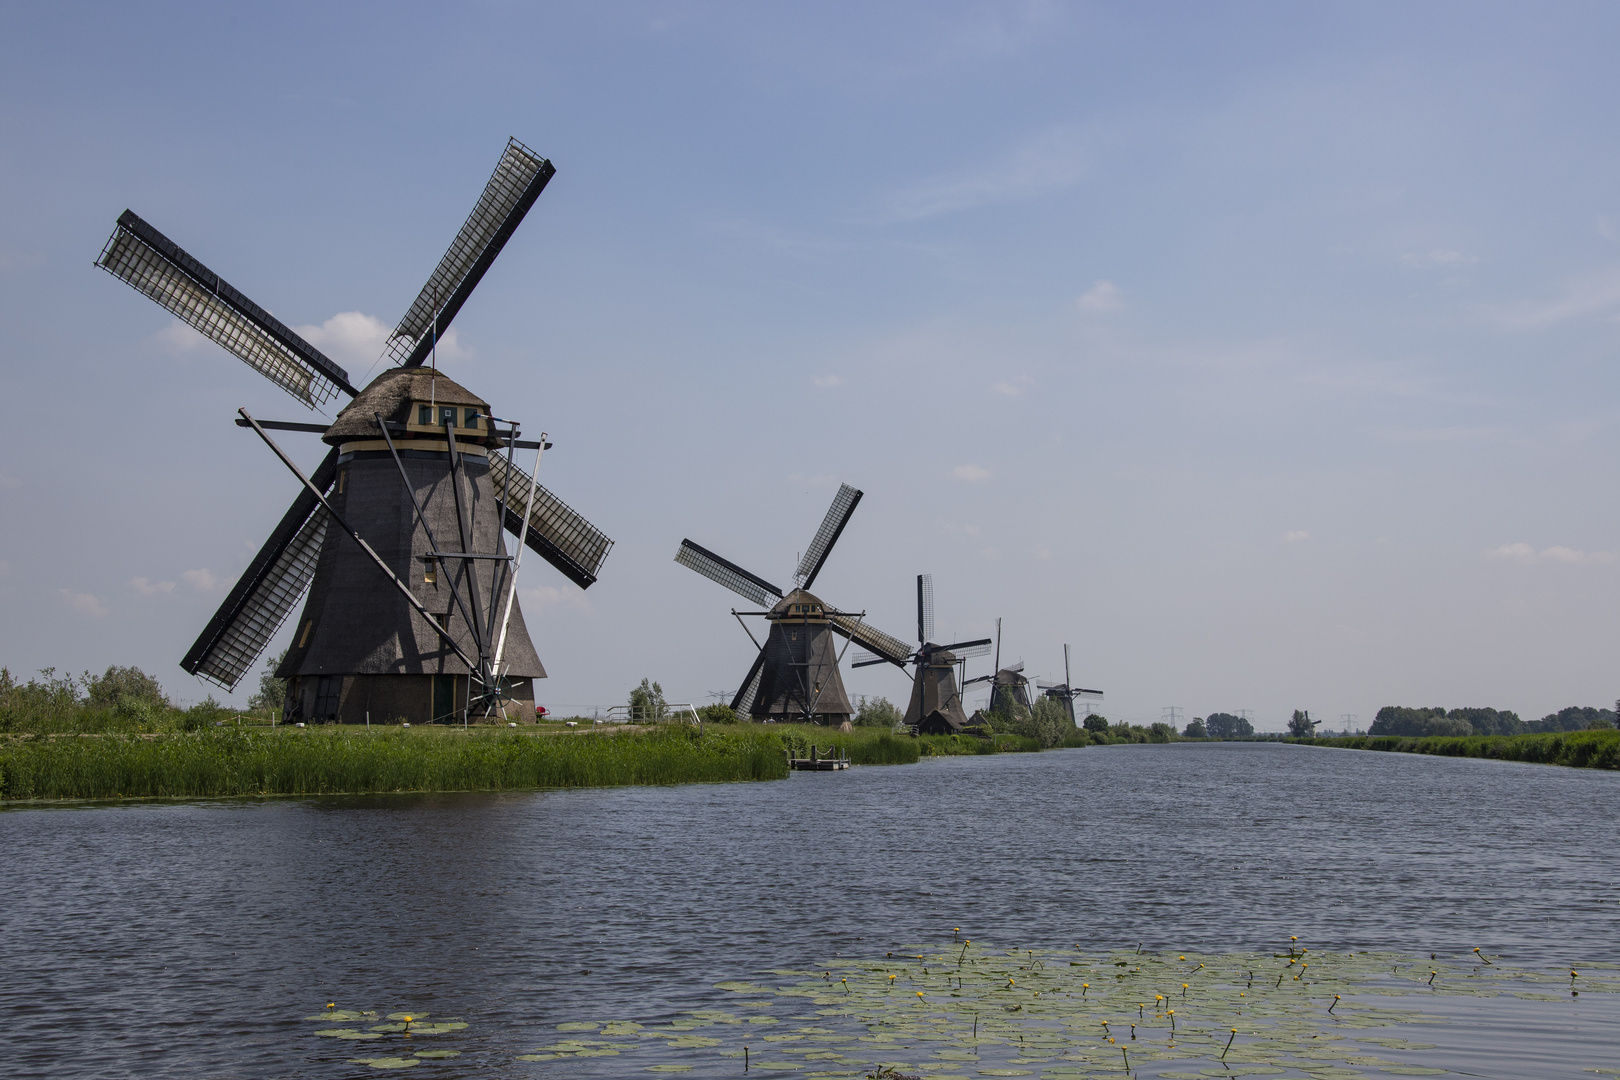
(962, 650)
(267, 590)
(556, 532)
(743, 703)
(151, 263)
(925, 608)
(517, 181)
(832, 526)
(874, 641)
(727, 573)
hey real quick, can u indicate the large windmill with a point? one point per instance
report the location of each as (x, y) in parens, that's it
(795, 676)
(1066, 691)
(1009, 688)
(412, 613)
(936, 699)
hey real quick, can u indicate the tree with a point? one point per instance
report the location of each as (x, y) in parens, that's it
(876, 712)
(1047, 722)
(1302, 726)
(647, 702)
(1222, 725)
(1575, 718)
(718, 713)
(1096, 723)
(272, 691)
(1196, 730)
(129, 687)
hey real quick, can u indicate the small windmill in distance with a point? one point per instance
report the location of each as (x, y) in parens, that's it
(795, 676)
(1066, 691)
(936, 699)
(1009, 689)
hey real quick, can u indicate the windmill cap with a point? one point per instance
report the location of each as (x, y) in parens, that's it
(392, 394)
(793, 604)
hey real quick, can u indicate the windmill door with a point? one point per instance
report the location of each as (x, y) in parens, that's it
(444, 697)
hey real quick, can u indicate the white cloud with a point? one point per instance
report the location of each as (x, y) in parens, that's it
(992, 553)
(177, 337)
(1293, 536)
(544, 597)
(5, 568)
(1014, 387)
(9, 481)
(1042, 551)
(953, 527)
(972, 474)
(151, 588)
(1101, 299)
(352, 338)
(204, 581)
(820, 480)
(1438, 257)
(1050, 162)
(84, 603)
(1443, 434)
(1594, 295)
(1522, 552)
(828, 381)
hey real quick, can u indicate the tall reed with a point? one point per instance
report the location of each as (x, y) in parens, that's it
(292, 761)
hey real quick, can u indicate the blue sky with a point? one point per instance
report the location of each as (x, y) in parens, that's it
(1264, 353)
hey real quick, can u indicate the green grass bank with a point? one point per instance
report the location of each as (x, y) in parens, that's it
(1575, 749)
(333, 760)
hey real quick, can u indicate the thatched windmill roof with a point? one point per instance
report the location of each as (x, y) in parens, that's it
(391, 394)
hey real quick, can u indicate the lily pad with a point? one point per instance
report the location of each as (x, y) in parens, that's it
(348, 1033)
(578, 1026)
(438, 1053)
(386, 1062)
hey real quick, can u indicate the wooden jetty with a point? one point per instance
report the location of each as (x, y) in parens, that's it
(815, 763)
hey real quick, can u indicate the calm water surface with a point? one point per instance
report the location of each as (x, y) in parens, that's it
(190, 939)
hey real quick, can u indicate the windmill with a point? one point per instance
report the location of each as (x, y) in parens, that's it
(795, 676)
(397, 534)
(1066, 691)
(936, 699)
(1009, 689)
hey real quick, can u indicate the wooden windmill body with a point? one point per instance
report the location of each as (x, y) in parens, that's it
(1065, 692)
(398, 534)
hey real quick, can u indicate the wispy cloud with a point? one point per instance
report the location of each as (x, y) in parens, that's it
(203, 581)
(147, 587)
(84, 603)
(9, 481)
(1012, 387)
(1438, 257)
(1294, 536)
(1054, 160)
(971, 474)
(992, 554)
(827, 382)
(1522, 552)
(177, 338)
(549, 597)
(1442, 434)
(820, 480)
(1595, 295)
(1101, 299)
(1042, 551)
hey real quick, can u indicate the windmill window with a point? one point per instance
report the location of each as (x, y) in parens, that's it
(430, 576)
(470, 419)
(303, 639)
(447, 415)
(342, 475)
(424, 415)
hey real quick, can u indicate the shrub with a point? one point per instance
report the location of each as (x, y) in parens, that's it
(717, 714)
(877, 712)
(1196, 730)
(125, 686)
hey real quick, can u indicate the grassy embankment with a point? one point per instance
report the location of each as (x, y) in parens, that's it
(1576, 749)
(879, 746)
(336, 760)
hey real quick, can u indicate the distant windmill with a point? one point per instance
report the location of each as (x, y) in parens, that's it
(1009, 689)
(397, 534)
(795, 676)
(936, 700)
(1065, 691)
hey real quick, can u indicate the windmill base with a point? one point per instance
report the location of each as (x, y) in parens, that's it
(393, 699)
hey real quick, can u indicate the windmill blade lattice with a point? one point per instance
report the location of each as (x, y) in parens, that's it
(964, 650)
(518, 179)
(832, 526)
(727, 573)
(151, 263)
(743, 703)
(556, 532)
(874, 641)
(925, 608)
(266, 592)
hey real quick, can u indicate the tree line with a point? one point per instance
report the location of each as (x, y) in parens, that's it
(1420, 722)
